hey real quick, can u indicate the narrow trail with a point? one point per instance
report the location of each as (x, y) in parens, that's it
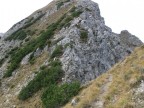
(99, 103)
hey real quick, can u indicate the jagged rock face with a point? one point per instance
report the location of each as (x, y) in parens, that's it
(82, 60)
(129, 39)
(90, 48)
(85, 61)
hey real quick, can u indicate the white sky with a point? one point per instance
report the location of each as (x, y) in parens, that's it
(118, 14)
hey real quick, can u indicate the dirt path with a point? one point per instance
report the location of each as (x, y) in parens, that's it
(100, 102)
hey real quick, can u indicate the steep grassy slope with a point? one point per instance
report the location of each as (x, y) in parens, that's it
(121, 87)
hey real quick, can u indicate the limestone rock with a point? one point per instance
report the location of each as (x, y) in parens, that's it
(26, 59)
(85, 61)
(83, 58)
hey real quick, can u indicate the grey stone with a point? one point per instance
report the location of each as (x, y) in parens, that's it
(38, 52)
(84, 61)
(26, 59)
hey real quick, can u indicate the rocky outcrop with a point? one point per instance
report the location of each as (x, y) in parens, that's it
(89, 47)
(84, 58)
(15, 27)
(85, 61)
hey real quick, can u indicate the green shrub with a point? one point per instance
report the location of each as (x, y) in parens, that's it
(65, 22)
(19, 35)
(61, 3)
(55, 96)
(67, 1)
(40, 42)
(67, 25)
(43, 67)
(55, 63)
(57, 52)
(73, 9)
(83, 35)
(30, 32)
(11, 68)
(32, 21)
(32, 58)
(76, 13)
(12, 51)
(61, 25)
(49, 43)
(32, 61)
(68, 19)
(44, 78)
(17, 56)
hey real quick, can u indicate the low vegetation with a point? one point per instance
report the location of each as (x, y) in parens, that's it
(18, 35)
(61, 3)
(49, 78)
(32, 20)
(76, 13)
(32, 58)
(31, 46)
(30, 32)
(65, 22)
(44, 78)
(55, 63)
(12, 51)
(21, 34)
(58, 51)
(39, 42)
(83, 35)
(55, 96)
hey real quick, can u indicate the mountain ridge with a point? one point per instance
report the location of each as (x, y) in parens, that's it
(69, 36)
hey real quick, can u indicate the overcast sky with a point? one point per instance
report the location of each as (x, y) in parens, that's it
(119, 14)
